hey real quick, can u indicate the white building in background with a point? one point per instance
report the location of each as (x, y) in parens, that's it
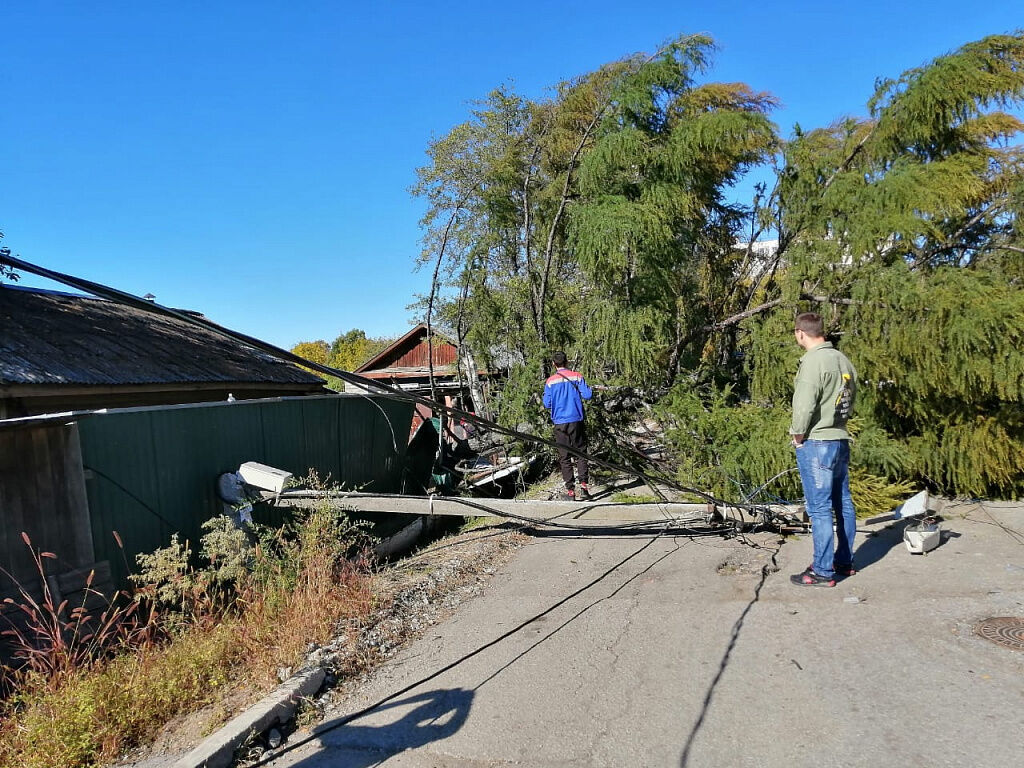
(764, 249)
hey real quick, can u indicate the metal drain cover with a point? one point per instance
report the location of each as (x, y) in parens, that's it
(1007, 631)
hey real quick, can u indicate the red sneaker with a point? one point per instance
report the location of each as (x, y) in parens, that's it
(810, 579)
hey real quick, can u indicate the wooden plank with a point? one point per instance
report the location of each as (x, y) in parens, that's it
(575, 512)
(68, 586)
(32, 587)
(55, 517)
(40, 521)
(79, 525)
(18, 497)
(42, 492)
(95, 601)
(74, 581)
(8, 480)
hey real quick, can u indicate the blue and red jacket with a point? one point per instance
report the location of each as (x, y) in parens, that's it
(564, 393)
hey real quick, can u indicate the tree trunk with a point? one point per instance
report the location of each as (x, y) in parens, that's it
(473, 379)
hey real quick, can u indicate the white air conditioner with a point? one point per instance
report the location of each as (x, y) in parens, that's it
(263, 477)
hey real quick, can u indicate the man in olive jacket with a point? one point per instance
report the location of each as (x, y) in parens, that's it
(826, 387)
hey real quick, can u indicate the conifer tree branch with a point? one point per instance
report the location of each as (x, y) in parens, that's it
(740, 316)
(843, 166)
(951, 241)
(566, 196)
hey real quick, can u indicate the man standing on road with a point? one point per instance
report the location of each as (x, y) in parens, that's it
(826, 386)
(564, 393)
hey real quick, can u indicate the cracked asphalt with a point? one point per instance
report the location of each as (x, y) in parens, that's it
(692, 653)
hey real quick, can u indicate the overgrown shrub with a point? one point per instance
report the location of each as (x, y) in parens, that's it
(251, 602)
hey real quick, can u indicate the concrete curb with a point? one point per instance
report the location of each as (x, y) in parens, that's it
(218, 749)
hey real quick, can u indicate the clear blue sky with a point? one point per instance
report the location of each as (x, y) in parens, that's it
(251, 160)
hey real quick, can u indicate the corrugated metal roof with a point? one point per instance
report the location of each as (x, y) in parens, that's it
(58, 338)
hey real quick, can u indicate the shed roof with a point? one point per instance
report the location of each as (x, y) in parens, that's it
(48, 337)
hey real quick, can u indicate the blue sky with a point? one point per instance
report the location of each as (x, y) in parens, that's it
(251, 160)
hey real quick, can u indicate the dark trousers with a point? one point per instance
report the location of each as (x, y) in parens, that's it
(573, 435)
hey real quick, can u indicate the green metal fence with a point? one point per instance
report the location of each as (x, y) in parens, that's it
(152, 472)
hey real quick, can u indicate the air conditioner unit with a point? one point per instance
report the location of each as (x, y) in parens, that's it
(263, 477)
(922, 537)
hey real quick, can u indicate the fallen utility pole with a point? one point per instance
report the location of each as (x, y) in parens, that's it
(586, 513)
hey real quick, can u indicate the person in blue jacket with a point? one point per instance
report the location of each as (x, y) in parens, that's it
(564, 393)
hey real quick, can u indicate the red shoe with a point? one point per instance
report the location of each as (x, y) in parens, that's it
(810, 579)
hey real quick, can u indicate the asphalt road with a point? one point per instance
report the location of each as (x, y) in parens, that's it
(689, 653)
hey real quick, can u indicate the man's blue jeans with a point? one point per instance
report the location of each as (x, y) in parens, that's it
(825, 473)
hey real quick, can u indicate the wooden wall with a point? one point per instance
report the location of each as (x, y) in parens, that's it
(42, 495)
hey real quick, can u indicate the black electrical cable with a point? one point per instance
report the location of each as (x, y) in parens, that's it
(585, 609)
(502, 529)
(448, 667)
(1014, 534)
(131, 495)
(409, 561)
(384, 390)
(555, 524)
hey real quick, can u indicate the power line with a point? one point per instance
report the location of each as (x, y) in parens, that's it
(371, 385)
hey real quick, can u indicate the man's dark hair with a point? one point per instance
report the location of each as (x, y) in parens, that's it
(811, 324)
(559, 359)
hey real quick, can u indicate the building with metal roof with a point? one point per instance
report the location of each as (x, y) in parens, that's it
(62, 351)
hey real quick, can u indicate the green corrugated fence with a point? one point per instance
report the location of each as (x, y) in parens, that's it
(151, 472)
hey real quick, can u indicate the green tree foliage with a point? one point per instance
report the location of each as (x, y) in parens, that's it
(314, 351)
(601, 220)
(347, 352)
(903, 229)
(652, 231)
(587, 219)
(352, 349)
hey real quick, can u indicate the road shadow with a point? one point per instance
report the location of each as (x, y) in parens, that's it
(439, 714)
(876, 544)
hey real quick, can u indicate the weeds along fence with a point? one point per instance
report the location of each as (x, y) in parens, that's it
(146, 473)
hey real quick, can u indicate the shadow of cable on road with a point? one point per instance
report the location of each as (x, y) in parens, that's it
(463, 698)
(440, 714)
(576, 615)
(734, 636)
